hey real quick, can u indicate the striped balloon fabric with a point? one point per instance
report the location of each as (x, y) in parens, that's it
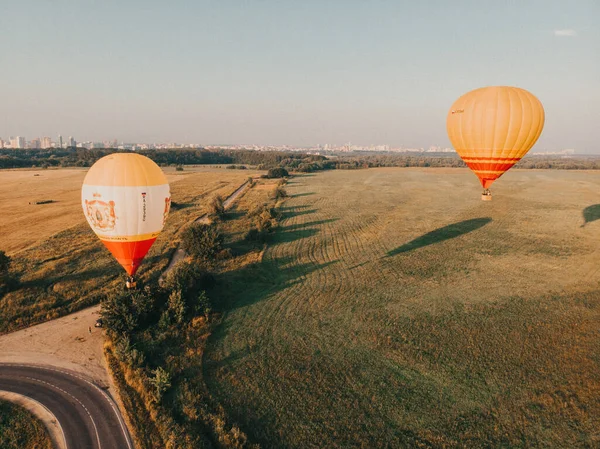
(492, 128)
(126, 200)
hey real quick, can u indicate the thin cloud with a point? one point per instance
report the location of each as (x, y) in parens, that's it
(565, 33)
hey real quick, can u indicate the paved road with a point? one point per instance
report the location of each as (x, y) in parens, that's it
(88, 417)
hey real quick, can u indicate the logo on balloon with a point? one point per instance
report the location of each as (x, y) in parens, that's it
(458, 111)
(101, 215)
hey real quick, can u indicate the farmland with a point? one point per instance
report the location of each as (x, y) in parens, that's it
(394, 308)
(61, 264)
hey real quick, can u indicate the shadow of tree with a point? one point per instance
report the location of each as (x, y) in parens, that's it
(591, 213)
(291, 236)
(307, 224)
(254, 282)
(297, 195)
(293, 208)
(439, 235)
(290, 214)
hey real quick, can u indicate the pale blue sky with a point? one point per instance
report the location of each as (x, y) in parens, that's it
(295, 72)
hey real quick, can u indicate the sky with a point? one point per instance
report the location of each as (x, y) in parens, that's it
(275, 72)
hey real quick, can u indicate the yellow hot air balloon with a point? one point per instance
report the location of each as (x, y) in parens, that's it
(126, 200)
(492, 128)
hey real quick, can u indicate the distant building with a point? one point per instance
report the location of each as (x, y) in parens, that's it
(59, 142)
(71, 142)
(35, 144)
(46, 142)
(17, 142)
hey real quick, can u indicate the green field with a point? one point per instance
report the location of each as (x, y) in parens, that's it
(394, 308)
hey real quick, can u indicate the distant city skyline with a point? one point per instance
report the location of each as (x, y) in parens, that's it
(21, 142)
(292, 73)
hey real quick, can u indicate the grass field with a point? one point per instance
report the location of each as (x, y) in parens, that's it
(61, 263)
(19, 429)
(394, 308)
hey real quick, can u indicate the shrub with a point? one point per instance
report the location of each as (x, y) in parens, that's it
(278, 172)
(176, 307)
(203, 305)
(161, 382)
(217, 207)
(202, 241)
(279, 193)
(189, 278)
(250, 181)
(179, 168)
(4, 264)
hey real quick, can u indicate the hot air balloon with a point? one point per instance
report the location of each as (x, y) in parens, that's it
(126, 200)
(492, 128)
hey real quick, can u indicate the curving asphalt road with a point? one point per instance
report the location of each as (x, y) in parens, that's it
(88, 416)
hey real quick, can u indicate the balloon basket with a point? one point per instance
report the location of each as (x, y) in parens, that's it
(486, 197)
(130, 284)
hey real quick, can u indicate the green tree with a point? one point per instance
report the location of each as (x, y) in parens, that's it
(161, 382)
(278, 172)
(176, 307)
(202, 241)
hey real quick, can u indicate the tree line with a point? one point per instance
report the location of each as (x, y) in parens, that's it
(292, 161)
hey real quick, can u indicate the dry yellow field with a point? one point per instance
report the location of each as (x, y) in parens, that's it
(61, 264)
(23, 224)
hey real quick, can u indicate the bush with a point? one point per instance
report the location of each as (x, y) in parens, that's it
(217, 206)
(189, 278)
(202, 241)
(279, 193)
(4, 264)
(250, 181)
(179, 168)
(161, 382)
(278, 172)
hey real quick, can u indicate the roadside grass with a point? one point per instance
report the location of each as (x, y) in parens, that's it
(19, 429)
(72, 269)
(393, 308)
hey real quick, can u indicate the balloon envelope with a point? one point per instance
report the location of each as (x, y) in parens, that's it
(126, 200)
(492, 128)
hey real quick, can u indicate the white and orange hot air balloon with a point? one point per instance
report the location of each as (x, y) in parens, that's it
(126, 200)
(492, 128)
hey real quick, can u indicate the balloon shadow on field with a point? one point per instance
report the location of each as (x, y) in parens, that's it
(439, 235)
(591, 213)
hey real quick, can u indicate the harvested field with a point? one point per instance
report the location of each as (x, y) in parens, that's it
(394, 308)
(64, 267)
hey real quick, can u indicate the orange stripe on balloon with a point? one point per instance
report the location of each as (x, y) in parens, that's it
(503, 159)
(129, 254)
